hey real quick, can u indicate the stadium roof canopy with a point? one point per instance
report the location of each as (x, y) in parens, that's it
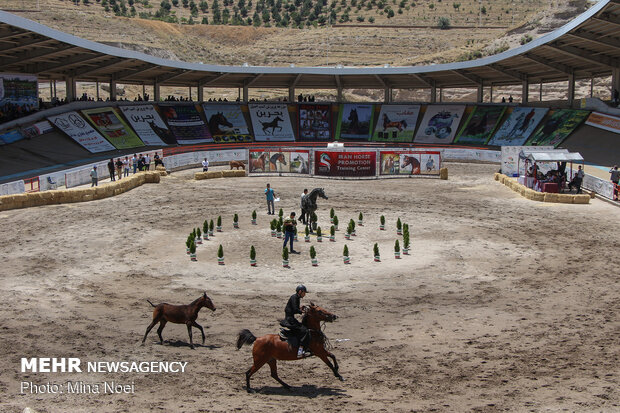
(588, 46)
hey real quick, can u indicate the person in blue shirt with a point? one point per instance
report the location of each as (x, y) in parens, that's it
(270, 194)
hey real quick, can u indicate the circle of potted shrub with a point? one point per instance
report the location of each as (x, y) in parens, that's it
(332, 234)
(236, 221)
(273, 225)
(252, 256)
(211, 226)
(220, 255)
(336, 222)
(397, 250)
(376, 253)
(399, 227)
(313, 259)
(345, 254)
(192, 251)
(198, 236)
(319, 238)
(307, 235)
(219, 224)
(285, 257)
(360, 220)
(331, 216)
(254, 217)
(205, 230)
(382, 225)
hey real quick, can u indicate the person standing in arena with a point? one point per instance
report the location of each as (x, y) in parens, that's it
(93, 176)
(111, 169)
(615, 178)
(270, 195)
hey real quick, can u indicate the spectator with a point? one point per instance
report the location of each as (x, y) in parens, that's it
(270, 195)
(503, 99)
(111, 169)
(157, 160)
(93, 176)
(119, 168)
(141, 163)
(290, 228)
(134, 163)
(510, 99)
(577, 180)
(615, 177)
(205, 165)
(126, 166)
(147, 162)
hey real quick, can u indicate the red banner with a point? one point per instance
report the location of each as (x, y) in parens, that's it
(335, 163)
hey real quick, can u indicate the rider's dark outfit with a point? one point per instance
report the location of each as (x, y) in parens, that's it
(292, 308)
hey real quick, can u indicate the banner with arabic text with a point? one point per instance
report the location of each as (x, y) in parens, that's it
(149, 126)
(226, 123)
(81, 131)
(271, 122)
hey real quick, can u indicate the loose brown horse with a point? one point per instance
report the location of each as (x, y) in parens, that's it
(237, 164)
(179, 314)
(269, 348)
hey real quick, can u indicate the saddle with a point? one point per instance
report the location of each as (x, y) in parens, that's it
(293, 336)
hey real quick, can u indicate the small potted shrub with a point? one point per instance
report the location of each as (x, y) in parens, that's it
(397, 250)
(307, 237)
(273, 225)
(336, 222)
(188, 244)
(285, 257)
(313, 259)
(279, 230)
(331, 216)
(399, 227)
(332, 234)
(211, 226)
(352, 223)
(236, 221)
(360, 220)
(192, 251)
(254, 217)
(314, 219)
(405, 243)
(220, 255)
(205, 230)
(382, 220)
(345, 254)
(219, 224)
(347, 235)
(376, 253)
(319, 238)
(252, 256)
(280, 213)
(198, 236)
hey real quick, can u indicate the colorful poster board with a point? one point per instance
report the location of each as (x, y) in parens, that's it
(113, 128)
(510, 158)
(396, 123)
(287, 161)
(149, 126)
(480, 124)
(10, 136)
(271, 122)
(18, 91)
(314, 122)
(37, 129)
(439, 124)
(355, 121)
(226, 123)
(80, 131)
(410, 162)
(518, 127)
(341, 163)
(557, 127)
(604, 121)
(185, 123)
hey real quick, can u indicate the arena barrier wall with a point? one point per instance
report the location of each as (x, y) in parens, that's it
(192, 159)
(11, 188)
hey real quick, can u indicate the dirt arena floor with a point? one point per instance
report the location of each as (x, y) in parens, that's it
(504, 305)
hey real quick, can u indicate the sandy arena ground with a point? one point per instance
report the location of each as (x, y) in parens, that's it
(505, 304)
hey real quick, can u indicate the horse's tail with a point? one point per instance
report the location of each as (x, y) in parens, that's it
(151, 303)
(245, 337)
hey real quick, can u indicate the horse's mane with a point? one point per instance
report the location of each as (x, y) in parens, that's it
(196, 300)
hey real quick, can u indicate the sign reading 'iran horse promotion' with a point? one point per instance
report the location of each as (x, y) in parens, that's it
(271, 122)
(410, 162)
(148, 125)
(336, 163)
(80, 131)
(272, 160)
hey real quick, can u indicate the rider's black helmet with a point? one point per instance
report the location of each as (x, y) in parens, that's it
(301, 287)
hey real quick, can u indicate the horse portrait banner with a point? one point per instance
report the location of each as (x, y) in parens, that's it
(518, 127)
(355, 121)
(186, 124)
(149, 126)
(80, 131)
(480, 124)
(314, 122)
(396, 123)
(226, 123)
(410, 162)
(279, 161)
(440, 124)
(341, 163)
(113, 128)
(271, 122)
(557, 127)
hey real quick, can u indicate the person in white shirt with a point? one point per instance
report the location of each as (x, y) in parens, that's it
(205, 165)
(301, 205)
(147, 162)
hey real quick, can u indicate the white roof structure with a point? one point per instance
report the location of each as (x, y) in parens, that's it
(551, 155)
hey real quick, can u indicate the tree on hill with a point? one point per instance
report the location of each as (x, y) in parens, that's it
(204, 6)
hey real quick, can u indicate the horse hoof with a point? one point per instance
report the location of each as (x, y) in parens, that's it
(340, 378)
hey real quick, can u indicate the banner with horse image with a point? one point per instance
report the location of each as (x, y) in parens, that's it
(115, 130)
(278, 161)
(271, 122)
(396, 123)
(410, 162)
(518, 127)
(149, 126)
(355, 121)
(80, 131)
(341, 163)
(185, 123)
(480, 124)
(314, 122)
(226, 123)
(557, 127)
(439, 124)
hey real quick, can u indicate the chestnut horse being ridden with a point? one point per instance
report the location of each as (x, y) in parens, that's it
(237, 164)
(179, 314)
(269, 348)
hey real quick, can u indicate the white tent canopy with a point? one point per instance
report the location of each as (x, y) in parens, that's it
(553, 155)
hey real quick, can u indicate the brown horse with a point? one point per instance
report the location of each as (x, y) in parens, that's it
(269, 348)
(237, 164)
(179, 314)
(258, 163)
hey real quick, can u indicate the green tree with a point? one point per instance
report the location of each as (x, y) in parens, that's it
(204, 6)
(443, 23)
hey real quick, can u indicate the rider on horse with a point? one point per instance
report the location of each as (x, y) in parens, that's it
(292, 308)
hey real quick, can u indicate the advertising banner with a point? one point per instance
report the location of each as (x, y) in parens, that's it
(18, 93)
(410, 162)
(288, 161)
(336, 163)
(314, 122)
(603, 121)
(480, 124)
(186, 124)
(440, 124)
(226, 123)
(355, 121)
(396, 123)
(510, 158)
(271, 122)
(557, 127)
(115, 130)
(518, 127)
(149, 126)
(10, 136)
(80, 131)
(37, 129)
